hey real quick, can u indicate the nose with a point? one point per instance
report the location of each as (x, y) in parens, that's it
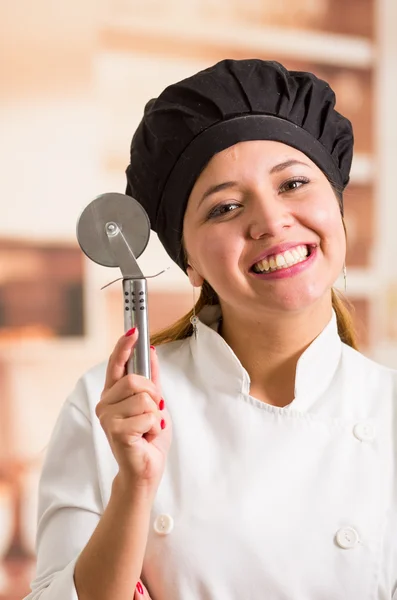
(269, 216)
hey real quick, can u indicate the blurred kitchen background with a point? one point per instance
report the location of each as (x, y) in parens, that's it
(74, 79)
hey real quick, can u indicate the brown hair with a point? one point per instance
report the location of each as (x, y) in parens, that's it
(182, 328)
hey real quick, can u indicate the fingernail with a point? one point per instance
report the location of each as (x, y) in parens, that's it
(139, 587)
(162, 424)
(153, 348)
(130, 332)
(161, 404)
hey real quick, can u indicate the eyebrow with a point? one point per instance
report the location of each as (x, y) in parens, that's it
(286, 164)
(213, 189)
(218, 188)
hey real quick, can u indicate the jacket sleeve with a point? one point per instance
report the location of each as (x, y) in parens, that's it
(70, 504)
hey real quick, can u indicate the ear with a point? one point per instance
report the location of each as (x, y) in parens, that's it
(195, 278)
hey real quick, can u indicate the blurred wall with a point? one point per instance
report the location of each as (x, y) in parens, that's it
(75, 77)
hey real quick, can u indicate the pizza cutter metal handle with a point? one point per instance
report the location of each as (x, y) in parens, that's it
(136, 315)
(135, 299)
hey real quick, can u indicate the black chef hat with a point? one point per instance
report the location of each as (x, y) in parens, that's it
(231, 102)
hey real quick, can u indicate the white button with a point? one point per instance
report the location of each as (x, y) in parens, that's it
(347, 537)
(364, 432)
(163, 524)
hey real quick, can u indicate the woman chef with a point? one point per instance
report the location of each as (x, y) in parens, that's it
(279, 482)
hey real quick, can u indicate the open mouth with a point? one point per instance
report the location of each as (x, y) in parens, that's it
(283, 260)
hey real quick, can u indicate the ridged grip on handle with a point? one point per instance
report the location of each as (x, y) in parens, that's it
(135, 299)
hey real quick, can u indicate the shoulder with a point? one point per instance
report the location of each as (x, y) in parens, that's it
(174, 356)
(178, 374)
(361, 361)
(87, 391)
(368, 373)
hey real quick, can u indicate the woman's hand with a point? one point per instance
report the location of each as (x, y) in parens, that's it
(131, 412)
(141, 592)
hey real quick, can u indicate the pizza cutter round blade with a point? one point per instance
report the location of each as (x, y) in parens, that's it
(123, 210)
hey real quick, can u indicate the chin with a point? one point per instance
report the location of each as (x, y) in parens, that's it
(303, 300)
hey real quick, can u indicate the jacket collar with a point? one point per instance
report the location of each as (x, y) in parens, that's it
(221, 370)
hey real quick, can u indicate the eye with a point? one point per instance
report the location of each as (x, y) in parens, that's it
(223, 209)
(294, 184)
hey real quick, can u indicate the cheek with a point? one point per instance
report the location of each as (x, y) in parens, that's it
(216, 250)
(325, 219)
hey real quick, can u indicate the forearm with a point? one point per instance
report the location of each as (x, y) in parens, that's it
(110, 565)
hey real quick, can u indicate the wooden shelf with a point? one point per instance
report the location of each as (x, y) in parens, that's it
(362, 169)
(362, 282)
(328, 48)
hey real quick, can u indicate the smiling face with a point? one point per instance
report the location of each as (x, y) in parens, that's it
(263, 227)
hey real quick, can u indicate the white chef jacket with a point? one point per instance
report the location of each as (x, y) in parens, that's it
(256, 502)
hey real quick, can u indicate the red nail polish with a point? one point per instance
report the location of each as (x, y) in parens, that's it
(161, 404)
(153, 348)
(130, 332)
(162, 424)
(139, 587)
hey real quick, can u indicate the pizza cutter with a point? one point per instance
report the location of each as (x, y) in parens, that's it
(113, 231)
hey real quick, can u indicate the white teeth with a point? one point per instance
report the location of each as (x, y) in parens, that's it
(289, 257)
(282, 260)
(302, 250)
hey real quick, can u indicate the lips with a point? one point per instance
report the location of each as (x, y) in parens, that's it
(275, 268)
(280, 249)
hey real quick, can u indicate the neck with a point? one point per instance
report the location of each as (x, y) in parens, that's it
(269, 346)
